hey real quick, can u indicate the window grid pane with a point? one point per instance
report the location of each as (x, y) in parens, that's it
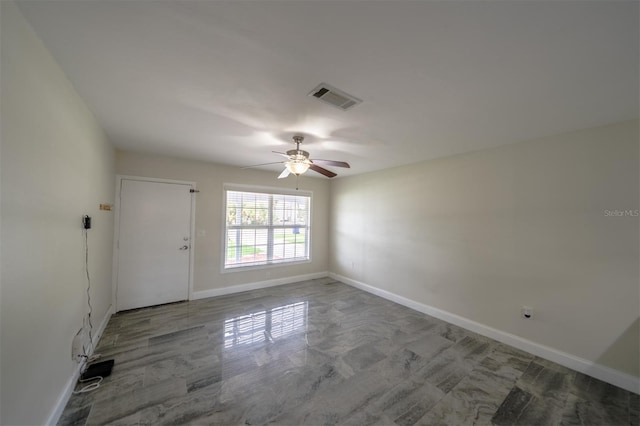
(265, 228)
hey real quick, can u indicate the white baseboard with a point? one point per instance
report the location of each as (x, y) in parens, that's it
(203, 294)
(55, 414)
(601, 372)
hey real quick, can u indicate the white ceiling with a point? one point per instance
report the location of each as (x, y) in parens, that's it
(227, 81)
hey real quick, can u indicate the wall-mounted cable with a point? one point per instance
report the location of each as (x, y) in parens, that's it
(89, 349)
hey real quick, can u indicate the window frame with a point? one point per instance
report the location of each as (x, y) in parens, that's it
(262, 190)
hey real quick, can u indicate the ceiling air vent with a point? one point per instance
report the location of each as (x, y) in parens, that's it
(335, 97)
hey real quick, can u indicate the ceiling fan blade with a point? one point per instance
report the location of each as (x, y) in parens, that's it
(284, 173)
(332, 163)
(281, 153)
(263, 164)
(322, 171)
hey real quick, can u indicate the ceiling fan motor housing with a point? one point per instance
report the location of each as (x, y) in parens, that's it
(297, 154)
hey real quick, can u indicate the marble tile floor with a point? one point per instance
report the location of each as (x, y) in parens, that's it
(321, 352)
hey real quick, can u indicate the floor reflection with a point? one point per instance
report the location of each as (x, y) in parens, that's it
(267, 325)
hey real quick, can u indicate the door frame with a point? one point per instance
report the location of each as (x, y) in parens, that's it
(116, 231)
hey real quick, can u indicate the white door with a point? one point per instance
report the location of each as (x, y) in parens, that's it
(153, 243)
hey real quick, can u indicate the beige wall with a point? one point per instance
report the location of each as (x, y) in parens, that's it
(479, 235)
(56, 166)
(210, 179)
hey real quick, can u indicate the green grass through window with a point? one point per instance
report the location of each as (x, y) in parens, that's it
(246, 251)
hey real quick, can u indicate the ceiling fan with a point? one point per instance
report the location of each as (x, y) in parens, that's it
(298, 162)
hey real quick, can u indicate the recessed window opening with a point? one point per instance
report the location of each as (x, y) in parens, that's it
(264, 228)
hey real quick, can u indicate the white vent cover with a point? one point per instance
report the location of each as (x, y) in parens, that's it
(335, 97)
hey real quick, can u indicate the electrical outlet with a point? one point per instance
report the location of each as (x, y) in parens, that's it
(527, 312)
(76, 346)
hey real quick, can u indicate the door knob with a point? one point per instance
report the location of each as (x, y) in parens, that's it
(184, 247)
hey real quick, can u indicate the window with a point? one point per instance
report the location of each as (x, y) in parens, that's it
(265, 228)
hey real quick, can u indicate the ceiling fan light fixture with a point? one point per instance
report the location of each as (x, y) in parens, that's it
(297, 167)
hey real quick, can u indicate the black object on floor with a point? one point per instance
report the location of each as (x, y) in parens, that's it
(99, 369)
